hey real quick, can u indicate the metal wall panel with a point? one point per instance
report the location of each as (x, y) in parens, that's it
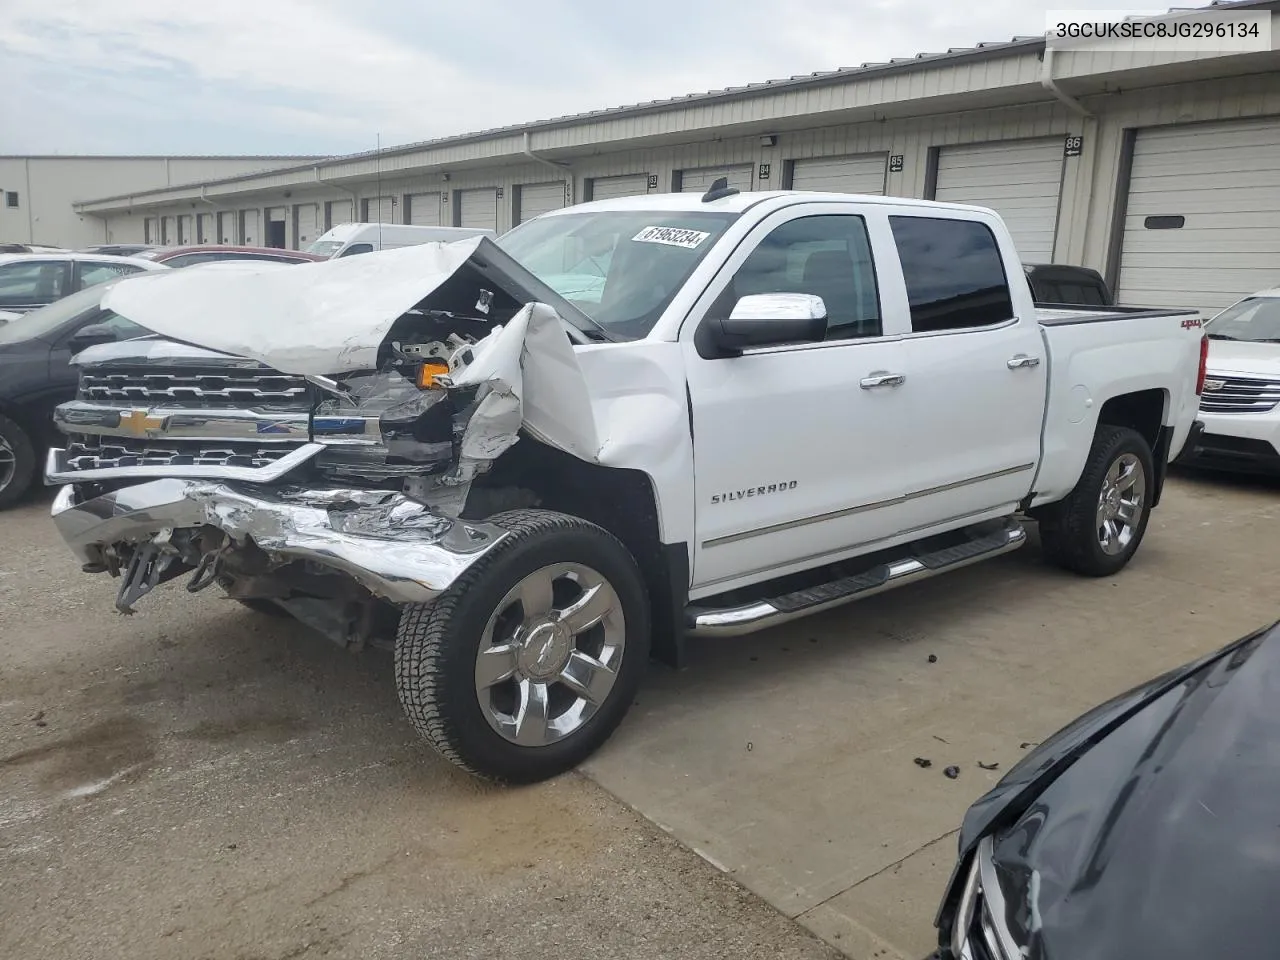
(1020, 180)
(1223, 180)
(424, 209)
(538, 198)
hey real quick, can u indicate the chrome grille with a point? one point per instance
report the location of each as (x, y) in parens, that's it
(217, 388)
(1239, 394)
(90, 455)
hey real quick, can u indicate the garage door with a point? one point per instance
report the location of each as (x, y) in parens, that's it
(378, 210)
(538, 198)
(697, 181)
(856, 174)
(1019, 179)
(1202, 225)
(337, 212)
(424, 209)
(610, 188)
(150, 230)
(306, 224)
(249, 233)
(204, 228)
(227, 232)
(478, 209)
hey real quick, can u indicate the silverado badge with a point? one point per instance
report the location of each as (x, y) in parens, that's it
(139, 423)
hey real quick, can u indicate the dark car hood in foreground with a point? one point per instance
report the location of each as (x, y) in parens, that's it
(1162, 838)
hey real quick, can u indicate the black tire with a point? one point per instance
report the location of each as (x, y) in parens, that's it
(437, 646)
(16, 476)
(1069, 530)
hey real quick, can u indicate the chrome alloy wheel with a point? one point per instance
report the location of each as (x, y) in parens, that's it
(8, 463)
(1120, 503)
(550, 654)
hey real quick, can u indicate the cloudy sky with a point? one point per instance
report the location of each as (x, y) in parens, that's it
(328, 76)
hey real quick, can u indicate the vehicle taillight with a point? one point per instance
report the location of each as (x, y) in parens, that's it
(1204, 362)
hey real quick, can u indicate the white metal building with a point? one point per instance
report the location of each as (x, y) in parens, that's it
(38, 193)
(1162, 169)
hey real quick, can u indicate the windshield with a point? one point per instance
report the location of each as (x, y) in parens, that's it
(325, 248)
(40, 323)
(620, 268)
(1256, 320)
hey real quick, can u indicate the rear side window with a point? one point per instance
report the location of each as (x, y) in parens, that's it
(955, 278)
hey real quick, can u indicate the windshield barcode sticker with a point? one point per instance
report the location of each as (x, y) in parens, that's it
(671, 236)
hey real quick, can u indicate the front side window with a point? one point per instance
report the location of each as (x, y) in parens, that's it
(92, 274)
(1256, 320)
(32, 282)
(826, 256)
(954, 274)
(356, 248)
(620, 267)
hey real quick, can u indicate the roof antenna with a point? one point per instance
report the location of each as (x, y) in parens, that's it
(719, 190)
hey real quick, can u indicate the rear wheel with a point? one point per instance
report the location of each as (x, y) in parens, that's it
(527, 664)
(1096, 530)
(17, 462)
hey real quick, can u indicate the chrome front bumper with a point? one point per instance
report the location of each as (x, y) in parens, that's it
(390, 544)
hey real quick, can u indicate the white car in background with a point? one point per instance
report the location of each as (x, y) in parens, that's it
(29, 281)
(1240, 406)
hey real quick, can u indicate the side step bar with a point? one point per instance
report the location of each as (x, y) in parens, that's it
(706, 621)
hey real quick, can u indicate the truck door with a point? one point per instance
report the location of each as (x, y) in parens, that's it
(975, 372)
(795, 445)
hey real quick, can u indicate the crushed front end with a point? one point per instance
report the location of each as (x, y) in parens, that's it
(182, 461)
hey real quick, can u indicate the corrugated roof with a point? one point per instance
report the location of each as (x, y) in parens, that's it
(985, 49)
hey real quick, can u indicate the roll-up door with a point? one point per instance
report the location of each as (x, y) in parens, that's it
(306, 224)
(337, 212)
(378, 210)
(698, 181)
(610, 188)
(539, 198)
(249, 233)
(1202, 223)
(228, 227)
(1019, 179)
(854, 174)
(204, 228)
(478, 209)
(150, 230)
(424, 209)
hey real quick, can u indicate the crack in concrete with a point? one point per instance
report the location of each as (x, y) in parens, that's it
(871, 876)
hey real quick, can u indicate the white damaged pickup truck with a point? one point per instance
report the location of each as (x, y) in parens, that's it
(534, 464)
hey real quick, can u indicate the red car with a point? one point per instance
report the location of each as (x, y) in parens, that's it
(189, 256)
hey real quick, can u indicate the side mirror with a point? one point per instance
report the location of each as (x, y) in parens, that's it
(766, 319)
(92, 335)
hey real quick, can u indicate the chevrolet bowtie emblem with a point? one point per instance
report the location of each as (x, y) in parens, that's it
(139, 423)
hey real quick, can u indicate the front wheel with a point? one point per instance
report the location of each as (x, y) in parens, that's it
(527, 664)
(1096, 530)
(17, 462)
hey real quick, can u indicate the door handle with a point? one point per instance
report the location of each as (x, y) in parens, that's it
(1022, 360)
(882, 378)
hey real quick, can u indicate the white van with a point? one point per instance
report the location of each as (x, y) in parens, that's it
(348, 239)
